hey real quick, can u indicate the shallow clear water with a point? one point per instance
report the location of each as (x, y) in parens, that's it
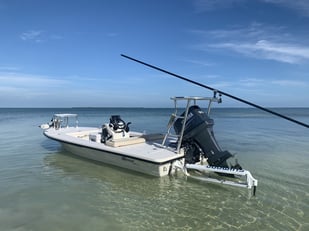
(42, 187)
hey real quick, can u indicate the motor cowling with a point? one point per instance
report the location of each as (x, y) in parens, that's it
(199, 140)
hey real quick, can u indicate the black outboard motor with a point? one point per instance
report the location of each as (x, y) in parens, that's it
(198, 139)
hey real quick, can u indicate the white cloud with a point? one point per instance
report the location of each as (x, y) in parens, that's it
(56, 37)
(39, 36)
(257, 41)
(287, 53)
(222, 84)
(12, 80)
(208, 5)
(33, 35)
(257, 85)
(251, 82)
(200, 63)
(26, 90)
(8, 68)
(301, 6)
(254, 31)
(290, 83)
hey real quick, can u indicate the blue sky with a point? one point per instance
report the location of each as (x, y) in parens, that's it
(62, 53)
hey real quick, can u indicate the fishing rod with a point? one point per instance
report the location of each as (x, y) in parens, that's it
(218, 91)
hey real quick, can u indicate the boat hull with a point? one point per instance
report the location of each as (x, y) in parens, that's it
(146, 167)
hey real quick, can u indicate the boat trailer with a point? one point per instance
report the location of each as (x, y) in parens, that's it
(248, 182)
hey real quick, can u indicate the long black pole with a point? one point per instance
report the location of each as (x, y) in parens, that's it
(218, 91)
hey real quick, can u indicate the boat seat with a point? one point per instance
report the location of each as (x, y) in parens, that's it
(125, 142)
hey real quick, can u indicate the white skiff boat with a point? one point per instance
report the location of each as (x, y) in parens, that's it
(190, 147)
